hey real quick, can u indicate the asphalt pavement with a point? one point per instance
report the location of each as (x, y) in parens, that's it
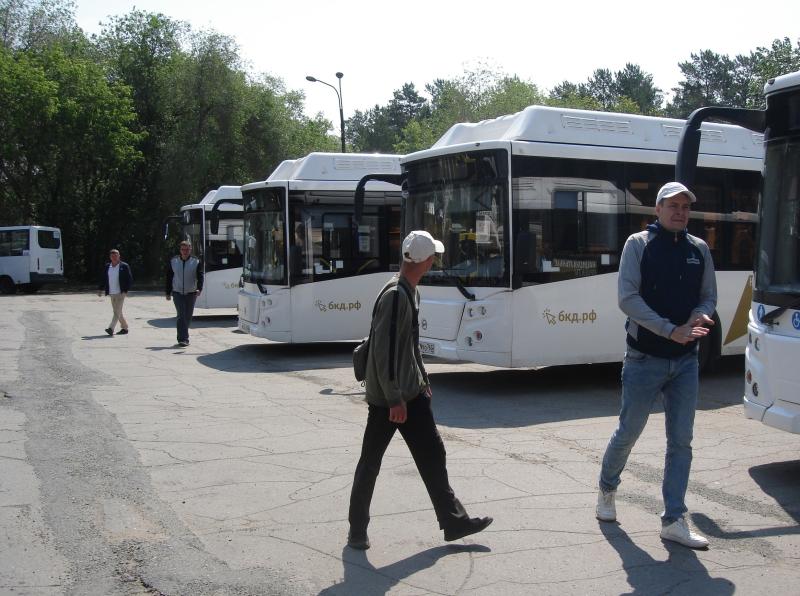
(129, 465)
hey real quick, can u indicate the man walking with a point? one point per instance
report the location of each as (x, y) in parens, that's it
(184, 282)
(667, 287)
(116, 280)
(398, 394)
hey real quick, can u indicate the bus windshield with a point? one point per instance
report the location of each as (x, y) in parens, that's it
(462, 200)
(778, 270)
(265, 236)
(193, 230)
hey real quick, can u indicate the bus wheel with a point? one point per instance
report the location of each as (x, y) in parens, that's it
(31, 288)
(710, 348)
(7, 285)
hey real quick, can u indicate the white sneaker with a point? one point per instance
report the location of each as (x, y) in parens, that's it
(680, 532)
(606, 510)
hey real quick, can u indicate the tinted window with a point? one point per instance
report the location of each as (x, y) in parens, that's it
(49, 238)
(13, 242)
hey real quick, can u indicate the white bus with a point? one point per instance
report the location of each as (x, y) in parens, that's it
(214, 226)
(309, 273)
(534, 208)
(772, 358)
(30, 256)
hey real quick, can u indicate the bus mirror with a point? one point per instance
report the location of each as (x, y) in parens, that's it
(214, 222)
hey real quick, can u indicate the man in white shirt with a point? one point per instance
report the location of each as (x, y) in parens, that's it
(116, 281)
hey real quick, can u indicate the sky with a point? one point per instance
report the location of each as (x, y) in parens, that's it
(379, 46)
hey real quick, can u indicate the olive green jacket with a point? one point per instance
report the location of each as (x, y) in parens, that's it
(395, 374)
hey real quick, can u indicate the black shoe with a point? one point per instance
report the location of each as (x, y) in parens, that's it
(358, 540)
(472, 526)
(183, 343)
(122, 332)
(110, 331)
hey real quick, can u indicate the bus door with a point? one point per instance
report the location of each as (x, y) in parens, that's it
(15, 264)
(335, 271)
(47, 257)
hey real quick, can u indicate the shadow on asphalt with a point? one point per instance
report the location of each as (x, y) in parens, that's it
(486, 398)
(198, 321)
(279, 357)
(682, 571)
(523, 397)
(779, 481)
(364, 579)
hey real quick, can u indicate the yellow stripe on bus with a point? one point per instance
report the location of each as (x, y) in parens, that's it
(738, 326)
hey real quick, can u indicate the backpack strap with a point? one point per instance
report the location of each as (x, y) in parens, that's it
(375, 309)
(393, 334)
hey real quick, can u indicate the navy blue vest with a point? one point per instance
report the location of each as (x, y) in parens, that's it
(672, 275)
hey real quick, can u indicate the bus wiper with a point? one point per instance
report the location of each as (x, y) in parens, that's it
(769, 318)
(464, 292)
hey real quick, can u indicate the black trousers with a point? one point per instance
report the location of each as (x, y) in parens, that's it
(426, 446)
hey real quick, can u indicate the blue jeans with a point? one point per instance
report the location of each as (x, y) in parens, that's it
(184, 308)
(644, 378)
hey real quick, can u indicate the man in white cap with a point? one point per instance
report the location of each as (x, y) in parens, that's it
(667, 288)
(398, 394)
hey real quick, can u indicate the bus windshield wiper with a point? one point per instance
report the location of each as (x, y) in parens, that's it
(769, 318)
(464, 292)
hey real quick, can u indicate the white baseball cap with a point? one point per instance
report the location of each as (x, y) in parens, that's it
(419, 245)
(670, 189)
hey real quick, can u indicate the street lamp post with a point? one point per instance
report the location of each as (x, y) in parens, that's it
(338, 92)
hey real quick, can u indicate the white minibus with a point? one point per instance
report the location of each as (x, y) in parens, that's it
(30, 256)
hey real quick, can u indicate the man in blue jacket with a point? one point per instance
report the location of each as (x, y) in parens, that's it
(667, 288)
(116, 280)
(184, 282)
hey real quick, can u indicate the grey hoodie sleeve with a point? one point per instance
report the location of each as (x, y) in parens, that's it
(628, 290)
(708, 289)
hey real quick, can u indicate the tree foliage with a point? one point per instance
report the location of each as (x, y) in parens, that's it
(106, 136)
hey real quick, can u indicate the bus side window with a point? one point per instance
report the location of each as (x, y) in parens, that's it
(525, 252)
(5, 244)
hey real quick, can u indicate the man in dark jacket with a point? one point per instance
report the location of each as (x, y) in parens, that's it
(399, 398)
(184, 282)
(116, 280)
(667, 287)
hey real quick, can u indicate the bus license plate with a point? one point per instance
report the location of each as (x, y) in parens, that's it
(427, 348)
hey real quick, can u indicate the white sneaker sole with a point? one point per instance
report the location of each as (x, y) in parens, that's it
(693, 545)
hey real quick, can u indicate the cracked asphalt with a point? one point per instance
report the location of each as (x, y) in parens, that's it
(130, 466)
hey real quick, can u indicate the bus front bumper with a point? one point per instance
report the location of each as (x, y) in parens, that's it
(264, 332)
(781, 415)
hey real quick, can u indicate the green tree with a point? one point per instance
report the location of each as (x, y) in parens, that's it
(630, 90)
(28, 24)
(65, 140)
(708, 81)
(633, 83)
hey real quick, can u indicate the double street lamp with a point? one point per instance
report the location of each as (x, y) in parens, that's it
(339, 96)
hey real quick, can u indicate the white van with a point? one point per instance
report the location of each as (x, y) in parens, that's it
(30, 256)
